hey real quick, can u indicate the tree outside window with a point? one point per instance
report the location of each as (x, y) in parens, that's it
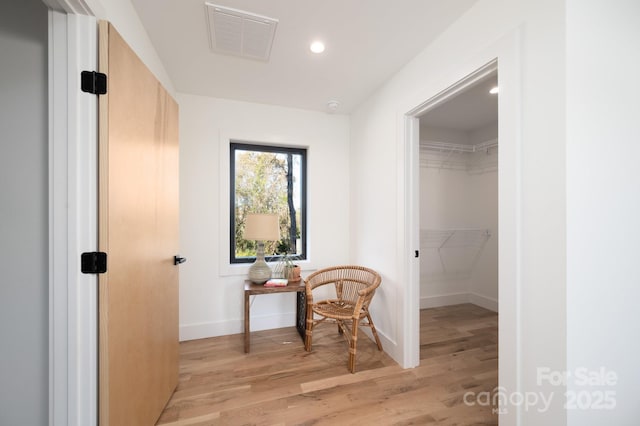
(268, 179)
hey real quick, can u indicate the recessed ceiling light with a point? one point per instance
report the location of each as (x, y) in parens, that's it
(494, 90)
(317, 47)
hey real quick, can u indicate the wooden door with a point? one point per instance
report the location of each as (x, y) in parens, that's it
(138, 229)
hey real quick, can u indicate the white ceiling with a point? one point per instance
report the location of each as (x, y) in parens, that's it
(367, 42)
(470, 110)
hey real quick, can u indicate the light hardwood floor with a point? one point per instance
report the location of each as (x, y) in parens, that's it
(279, 383)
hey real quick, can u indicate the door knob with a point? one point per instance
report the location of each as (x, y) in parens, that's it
(177, 259)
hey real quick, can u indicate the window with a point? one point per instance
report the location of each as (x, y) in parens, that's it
(268, 179)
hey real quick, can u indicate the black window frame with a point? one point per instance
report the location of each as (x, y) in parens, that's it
(248, 146)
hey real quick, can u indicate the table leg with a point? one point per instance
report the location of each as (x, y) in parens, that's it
(247, 328)
(301, 313)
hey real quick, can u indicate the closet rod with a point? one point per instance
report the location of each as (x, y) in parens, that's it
(457, 147)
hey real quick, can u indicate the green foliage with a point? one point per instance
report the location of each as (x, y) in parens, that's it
(261, 187)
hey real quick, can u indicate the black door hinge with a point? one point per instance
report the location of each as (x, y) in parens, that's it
(94, 262)
(93, 82)
(417, 254)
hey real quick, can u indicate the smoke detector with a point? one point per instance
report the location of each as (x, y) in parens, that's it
(240, 33)
(333, 105)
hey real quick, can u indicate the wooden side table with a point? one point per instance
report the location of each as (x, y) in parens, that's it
(251, 289)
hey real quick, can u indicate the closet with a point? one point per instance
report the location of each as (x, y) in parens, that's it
(459, 216)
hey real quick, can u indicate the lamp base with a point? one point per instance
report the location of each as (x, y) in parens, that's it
(260, 272)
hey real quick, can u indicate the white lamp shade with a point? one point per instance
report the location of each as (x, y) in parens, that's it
(262, 227)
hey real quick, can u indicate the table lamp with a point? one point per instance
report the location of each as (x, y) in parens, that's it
(261, 228)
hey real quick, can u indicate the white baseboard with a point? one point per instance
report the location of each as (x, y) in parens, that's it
(458, 298)
(389, 346)
(287, 319)
(443, 300)
(223, 328)
(484, 302)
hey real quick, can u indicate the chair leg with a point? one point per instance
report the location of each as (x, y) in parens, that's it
(373, 330)
(308, 334)
(353, 342)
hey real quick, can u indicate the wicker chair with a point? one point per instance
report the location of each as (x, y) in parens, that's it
(354, 288)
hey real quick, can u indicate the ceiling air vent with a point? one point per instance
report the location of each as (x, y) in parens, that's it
(240, 33)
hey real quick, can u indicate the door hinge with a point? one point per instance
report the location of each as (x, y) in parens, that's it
(417, 254)
(93, 82)
(94, 262)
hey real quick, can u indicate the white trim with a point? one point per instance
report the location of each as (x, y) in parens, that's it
(58, 232)
(409, 205)
(458, 298)
(506, 52)
(458, 87)
(77, 7)
(510, 220)
(73, 222)
(226, 268)
(205, 330)
(408, 306)
(484, 301)
(443, 300)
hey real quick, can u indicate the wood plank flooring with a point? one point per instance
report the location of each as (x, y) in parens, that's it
(279, 383)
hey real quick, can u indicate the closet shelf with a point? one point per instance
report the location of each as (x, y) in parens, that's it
(457, 249)
(456, 147)
(455, 237)
(442, 155)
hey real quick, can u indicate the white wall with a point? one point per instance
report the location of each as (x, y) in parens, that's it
(535, 86)
(483, 211)
(211, 291)
(467, 269)
(444, 199)
(24, 230)
(603, 205)
(438, 134)
(484, 133)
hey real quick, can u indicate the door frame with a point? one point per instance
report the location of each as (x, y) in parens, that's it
(72, 215)
(503, 56)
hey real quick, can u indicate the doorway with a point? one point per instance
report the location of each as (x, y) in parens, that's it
(458, 222)
(458, 187)
(509, 187)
